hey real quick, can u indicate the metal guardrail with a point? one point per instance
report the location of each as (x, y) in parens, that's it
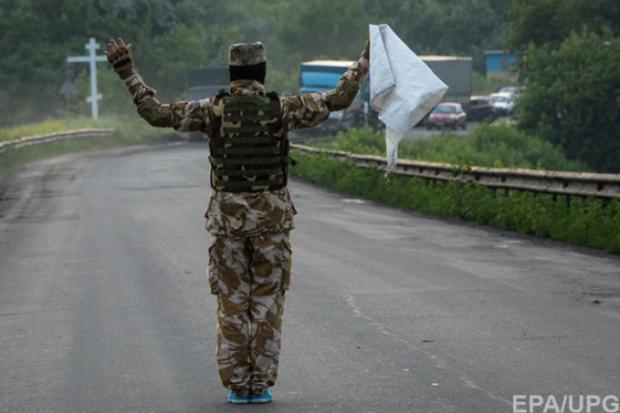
(55, 137)
(550, 182)
(580, 184)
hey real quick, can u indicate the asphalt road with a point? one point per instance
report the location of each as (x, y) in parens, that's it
(104, 303)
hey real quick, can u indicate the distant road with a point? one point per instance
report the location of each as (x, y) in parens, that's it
(422, 132)
(104, 303)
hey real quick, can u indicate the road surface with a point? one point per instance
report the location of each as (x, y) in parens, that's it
(104, 303)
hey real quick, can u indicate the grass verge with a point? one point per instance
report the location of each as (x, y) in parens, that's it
(125, 126)
(127, 133)
(586, 222)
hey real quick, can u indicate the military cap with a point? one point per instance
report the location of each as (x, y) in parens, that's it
(246, 54)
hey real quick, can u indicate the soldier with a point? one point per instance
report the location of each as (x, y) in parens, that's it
(250, 212)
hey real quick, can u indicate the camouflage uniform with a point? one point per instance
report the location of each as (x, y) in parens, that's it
(250, 258)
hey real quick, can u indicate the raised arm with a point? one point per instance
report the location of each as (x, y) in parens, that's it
(302, 111)
(182, 116)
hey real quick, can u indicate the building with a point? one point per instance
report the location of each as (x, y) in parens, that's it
(501, 65)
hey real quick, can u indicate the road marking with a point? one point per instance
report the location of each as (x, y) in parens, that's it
(441, 364)
(353, 201)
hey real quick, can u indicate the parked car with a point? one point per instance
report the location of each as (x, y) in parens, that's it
(447, 114)
(513, 90)
(480, 108)
(503, 103)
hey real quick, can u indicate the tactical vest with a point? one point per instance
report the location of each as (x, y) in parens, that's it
(249, 150)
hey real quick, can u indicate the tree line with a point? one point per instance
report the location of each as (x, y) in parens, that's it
(570, 51)
(171, 36)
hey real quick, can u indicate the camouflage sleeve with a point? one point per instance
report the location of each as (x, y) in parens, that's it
(182, 116)
(302, 111)
(346, 90)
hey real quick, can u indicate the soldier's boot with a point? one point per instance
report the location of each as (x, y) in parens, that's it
(238, 398)
(262, 398)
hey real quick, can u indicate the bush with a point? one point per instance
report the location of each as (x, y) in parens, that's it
(487, 145)
(588, 222)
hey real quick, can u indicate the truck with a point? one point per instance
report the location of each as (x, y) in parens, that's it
(205, 82)
(454, 71)
(323, 75)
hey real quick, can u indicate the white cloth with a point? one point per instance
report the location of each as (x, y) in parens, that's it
(402, 87)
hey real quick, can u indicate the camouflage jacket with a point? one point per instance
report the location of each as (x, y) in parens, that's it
(247, 213)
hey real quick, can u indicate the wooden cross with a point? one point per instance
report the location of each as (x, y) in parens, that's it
(92, 58)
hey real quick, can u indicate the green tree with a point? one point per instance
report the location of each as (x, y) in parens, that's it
(171, 36)
(38, 35)
(551, 21)
(327, 28)
(573, 97)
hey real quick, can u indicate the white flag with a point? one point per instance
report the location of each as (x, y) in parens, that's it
(403, 89)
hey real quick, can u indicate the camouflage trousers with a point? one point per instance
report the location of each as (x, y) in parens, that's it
(249, 275)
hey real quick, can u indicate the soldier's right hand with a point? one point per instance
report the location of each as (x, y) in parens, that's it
(365, 57)
(366, 51)
(119, 56)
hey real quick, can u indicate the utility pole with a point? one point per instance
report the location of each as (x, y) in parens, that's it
(92, 59)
